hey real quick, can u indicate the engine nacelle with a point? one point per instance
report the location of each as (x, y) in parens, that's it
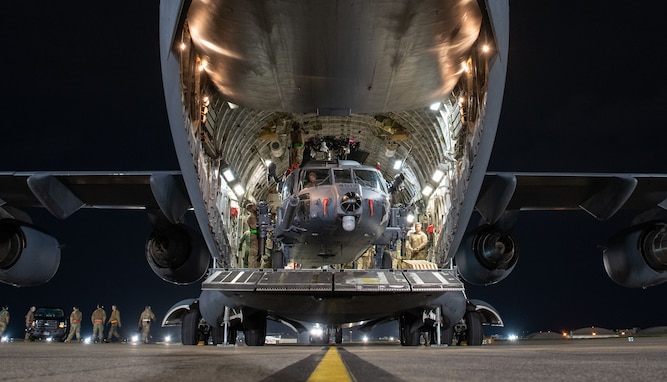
(486, 256)
(177, 253)
(28, 256)
(637, 257)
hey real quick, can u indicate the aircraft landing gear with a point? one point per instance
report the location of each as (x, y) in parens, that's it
(338, 335)
(194, 328)
(255, 329)
(410, 329)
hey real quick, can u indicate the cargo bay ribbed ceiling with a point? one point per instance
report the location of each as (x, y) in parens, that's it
(409, 108)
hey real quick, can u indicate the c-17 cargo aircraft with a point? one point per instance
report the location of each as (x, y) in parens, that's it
(393, 106)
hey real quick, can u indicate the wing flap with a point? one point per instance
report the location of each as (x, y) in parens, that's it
(601, 195)
(64, 193)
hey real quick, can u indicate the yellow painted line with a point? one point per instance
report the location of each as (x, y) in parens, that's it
(331, 368)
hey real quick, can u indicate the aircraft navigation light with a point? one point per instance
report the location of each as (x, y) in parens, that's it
(512, 337)
(427, 190)
(435, 106)
(135, 338)
(348, 223)
(365, 339)
(397, 164)
(238, 189)
(228, 174)
(87, 340)
(167, 339)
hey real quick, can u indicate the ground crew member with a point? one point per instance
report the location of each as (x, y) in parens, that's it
(417, 243)
(98, 318)
(29, 320)
(145, 320)
(75, 325)
(4, 319)
(253, 241)
(114, 321)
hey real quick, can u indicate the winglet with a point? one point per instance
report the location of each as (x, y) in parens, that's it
(55, 196)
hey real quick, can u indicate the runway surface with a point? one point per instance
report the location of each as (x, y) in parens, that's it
(558, 360)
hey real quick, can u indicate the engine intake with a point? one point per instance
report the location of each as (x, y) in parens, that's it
(28, 256)
(637, 257)
(177, 253)
(486, 256)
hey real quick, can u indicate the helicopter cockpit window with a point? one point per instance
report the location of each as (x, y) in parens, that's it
(343, 176)
(287, 186)
(371, 179)
(313, 178)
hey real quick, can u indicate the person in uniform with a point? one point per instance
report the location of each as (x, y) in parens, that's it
(297, 141)
(145, 320)
(4, 319)
(29, 320)
(417, 243)
(253, 240)
(243, 261)
(75, 325)
(98, 318)
(114, 321)
(312, 180)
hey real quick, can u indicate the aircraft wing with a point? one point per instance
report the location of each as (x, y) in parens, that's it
(63, 193)
(601, 195)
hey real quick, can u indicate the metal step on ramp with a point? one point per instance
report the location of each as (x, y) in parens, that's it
(332, 281)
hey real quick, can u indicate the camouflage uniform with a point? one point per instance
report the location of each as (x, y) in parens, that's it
(75, 325)
(145, 320)
(253, 241)
(114, 320)
(29, 320)
(417, 243)
(98, 318)
(4, 319)
(243, 262)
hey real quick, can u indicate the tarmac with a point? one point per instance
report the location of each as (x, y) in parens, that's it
(613, 359)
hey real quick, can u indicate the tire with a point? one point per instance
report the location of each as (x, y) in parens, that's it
(255, 330)
(474, 331)
(409, 335)
(190, 328)
(446, 336)
(277, 259)
(386, 260)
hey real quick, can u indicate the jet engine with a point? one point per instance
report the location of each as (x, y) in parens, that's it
(486, 256)
(637, 257)
(177, 253)
(28, 256)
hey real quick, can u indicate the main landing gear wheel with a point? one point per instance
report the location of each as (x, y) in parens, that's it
(190, 327)
(339, 335)
(386, 259)
(409, 331)
(255, 330)
(474, 331)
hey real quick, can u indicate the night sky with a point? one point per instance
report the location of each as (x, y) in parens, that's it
(586, 92)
